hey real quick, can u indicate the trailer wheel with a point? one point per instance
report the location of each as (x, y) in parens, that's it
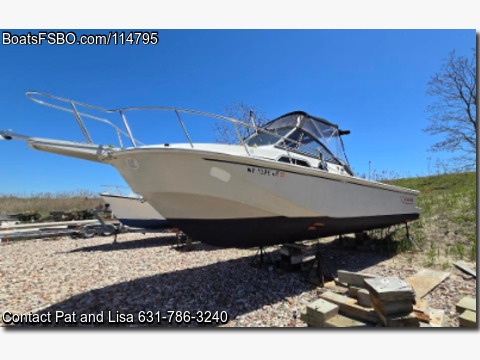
(108, 231)
(88, 233)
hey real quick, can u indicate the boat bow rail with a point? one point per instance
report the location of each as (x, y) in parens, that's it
(77, 109)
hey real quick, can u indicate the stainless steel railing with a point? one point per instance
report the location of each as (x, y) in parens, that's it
(79, 115)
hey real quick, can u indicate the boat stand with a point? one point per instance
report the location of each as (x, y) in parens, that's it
(258, 259)
(317, 266)
(410, 238)
(183, 241)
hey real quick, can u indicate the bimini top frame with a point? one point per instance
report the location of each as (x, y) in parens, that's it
(73, 108)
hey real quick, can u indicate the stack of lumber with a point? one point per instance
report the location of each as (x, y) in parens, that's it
(467, 310)
(393, 299)
(295, 256)
(323, 313)
(361, 300)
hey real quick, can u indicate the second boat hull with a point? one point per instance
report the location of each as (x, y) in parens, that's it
(135, 212)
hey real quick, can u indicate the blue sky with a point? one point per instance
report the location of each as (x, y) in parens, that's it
(371, 82)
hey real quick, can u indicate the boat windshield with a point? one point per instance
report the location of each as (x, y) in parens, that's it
(305, 143)
(262, 139)
(312, 135)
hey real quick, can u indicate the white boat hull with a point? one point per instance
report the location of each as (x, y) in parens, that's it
(238, 201)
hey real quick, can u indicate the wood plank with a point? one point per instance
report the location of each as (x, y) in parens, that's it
(390, 289)
(312, 322)
(467, 303)
(421, 306)
(468, 319)
(363, 298)
(391, 307)
(422, 317)
(437, 317)
(336, 288)
(466, 270)
(353, 291)
(353, 278)
(425, 281)
(343, 321)
(349, 307)
(409, 320)
(322, 310)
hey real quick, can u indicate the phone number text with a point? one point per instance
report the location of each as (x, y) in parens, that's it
(183, 317)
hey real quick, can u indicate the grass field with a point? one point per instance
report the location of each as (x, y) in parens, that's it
(43, 203)
(447, 228)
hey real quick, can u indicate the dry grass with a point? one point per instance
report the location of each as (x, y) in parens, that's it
(43, 203)
(447, 225)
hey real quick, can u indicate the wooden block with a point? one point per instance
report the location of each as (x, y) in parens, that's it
(336, 288)
(308, 259)
(425, 281)
(422, 317)
(466, 269)
(467, 303)
(353, 291)
(421, 306)
(390, 289)
(292, 254)
(468, 319)
(363, 298)
(322, 310)
(349, 307)
(409, 320)
(391, 307)
(303, 315)
(296, 259)
(353, 278)
(310, 320)
(343, 321)
(437, 317)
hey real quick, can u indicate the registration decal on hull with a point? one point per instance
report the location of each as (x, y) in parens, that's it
(407, 200)
(265, 171)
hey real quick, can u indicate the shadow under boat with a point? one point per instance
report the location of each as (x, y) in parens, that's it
(155, 241)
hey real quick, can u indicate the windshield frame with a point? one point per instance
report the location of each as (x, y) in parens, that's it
(282, 139)
(281, 144)
(274, 134)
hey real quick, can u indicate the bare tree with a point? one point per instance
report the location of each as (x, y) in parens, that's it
(226, 133)
(454, 112)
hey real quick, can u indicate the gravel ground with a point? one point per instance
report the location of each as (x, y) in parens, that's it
(146, 273)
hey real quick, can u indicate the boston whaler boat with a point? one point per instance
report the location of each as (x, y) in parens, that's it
(288, 181)
(134, 211)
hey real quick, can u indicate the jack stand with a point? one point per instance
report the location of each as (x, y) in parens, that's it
(320, 275)
(184, 242)
(261, 253)
(117, 231)
(410, 238)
